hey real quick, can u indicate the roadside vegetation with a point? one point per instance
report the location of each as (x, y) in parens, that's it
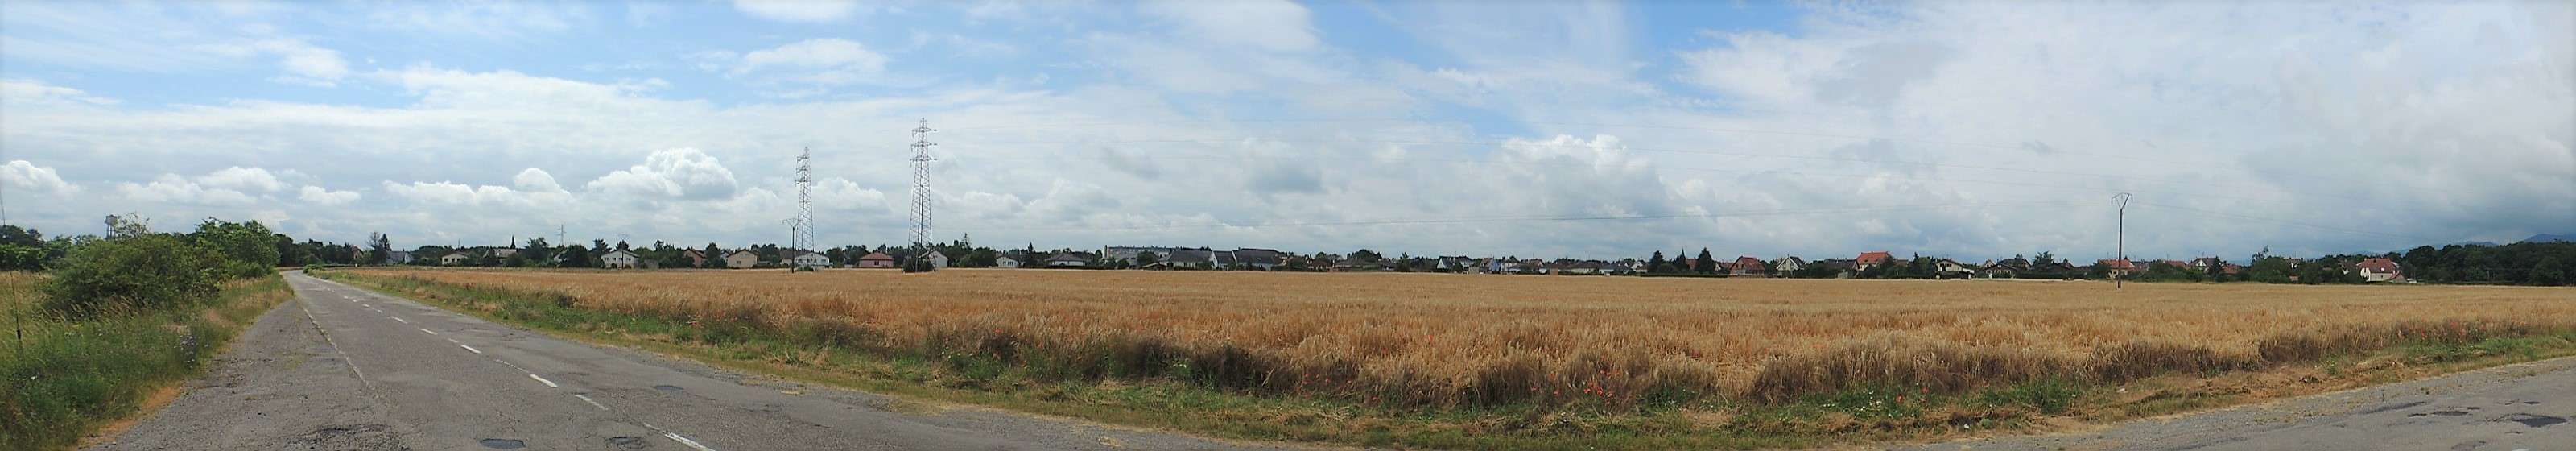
(116, 322)
(1449, 361)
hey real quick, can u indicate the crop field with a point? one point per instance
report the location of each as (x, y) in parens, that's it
(1431, 341)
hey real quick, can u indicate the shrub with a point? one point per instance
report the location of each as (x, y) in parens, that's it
(133, 273)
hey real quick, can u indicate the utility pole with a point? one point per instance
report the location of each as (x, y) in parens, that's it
(803, 236)
(2120, 246)
(920, 194)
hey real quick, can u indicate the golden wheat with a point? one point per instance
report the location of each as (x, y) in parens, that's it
(1439, 339)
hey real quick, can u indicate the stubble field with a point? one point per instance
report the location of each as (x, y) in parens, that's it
(1435, 341)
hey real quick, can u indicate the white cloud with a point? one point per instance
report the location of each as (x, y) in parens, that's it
(319, 196)
(170, 188)
(799, 10)
(674, 174)
(20, 174)
(1272, 25)
(22, 92)
(238, 178)
(303, 63)
(535, 180)
(827, 61)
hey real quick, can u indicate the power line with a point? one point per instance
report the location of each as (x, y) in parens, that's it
(920, 193)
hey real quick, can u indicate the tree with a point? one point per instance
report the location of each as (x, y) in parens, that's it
(575, 256)
(22, 249)
(1706, 265)
(1366, 255)
(1657, 265)
(2551, 270)
(133, 271)
(380, 248)
(1146, 258)
(714, 257)
(248, 248)
(16, 236)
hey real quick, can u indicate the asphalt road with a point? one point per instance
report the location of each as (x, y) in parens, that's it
(2518, 407)
(341, 368)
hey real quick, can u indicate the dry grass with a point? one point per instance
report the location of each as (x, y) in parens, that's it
(1433, 340)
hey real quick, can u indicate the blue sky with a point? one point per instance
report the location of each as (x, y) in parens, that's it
(1969, 129)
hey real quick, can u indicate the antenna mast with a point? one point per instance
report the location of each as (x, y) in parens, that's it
(803, 238)
(921, 192)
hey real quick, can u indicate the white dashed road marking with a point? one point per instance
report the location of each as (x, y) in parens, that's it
(430, 332)
(592, 403)
(549, 384)
(469, 348)
(398, 318)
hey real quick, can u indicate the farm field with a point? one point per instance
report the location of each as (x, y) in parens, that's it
(1787, 356)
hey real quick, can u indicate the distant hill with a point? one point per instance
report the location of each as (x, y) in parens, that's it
(2544, 238)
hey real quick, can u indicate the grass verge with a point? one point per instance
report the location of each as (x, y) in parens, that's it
(1875, 388)
(64, 379)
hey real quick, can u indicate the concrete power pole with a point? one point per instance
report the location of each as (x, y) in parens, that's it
(2120, 246)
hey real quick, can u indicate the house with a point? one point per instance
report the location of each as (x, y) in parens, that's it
(1872, 259)
(1788, 264)
(504, 252)
(1842, 267)
(2004, 269)
(876, 260)
(2202, 264)
(812, 260)
(2121, 267)
(1068, 260)
(1128, 253)
(618, 259)
(696, 258)
(1947, 268)
(1264, 259)
(1007, 261)
(742, 259)
(455, 259)
(2377, 269)
(1747, 266)
(1191, 258)
(398, 257)
(937, 260)
(2060, 267)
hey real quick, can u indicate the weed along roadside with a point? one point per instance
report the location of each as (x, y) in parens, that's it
(1377, 365)
(66, 378)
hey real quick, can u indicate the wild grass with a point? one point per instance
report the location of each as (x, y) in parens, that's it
(61, 379)
(1532, 350)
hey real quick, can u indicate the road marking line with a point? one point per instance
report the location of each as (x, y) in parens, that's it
(549, 384)
(686, 441)
(398, 318)
(469, 348)
(427, 330)
(592, 403)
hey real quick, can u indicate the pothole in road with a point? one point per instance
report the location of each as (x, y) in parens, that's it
(627, 443)
(2538, 421)
(666, 388)
(503, 443)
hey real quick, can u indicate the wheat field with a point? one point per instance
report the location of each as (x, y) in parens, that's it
(1449, 340)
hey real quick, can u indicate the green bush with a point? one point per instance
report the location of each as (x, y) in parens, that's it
(134, 273)
(313, 268)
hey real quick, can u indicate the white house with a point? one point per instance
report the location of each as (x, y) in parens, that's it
(618, 259)
(938, 260)
(454, 259)
(813, 260)
(1006, 261)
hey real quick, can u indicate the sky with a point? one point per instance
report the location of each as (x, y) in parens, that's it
(1968, 129)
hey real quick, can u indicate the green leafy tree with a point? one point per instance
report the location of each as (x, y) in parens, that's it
(248, 248)
(380, 248)
(2551, 270)
(1707, 264)
(1657, 264)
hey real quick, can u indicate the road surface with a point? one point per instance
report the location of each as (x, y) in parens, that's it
(2518, 407)
(341, 368)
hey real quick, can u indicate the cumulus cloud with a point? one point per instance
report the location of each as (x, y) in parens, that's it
(799, 10)
(170, 188)
(21, 174)
(319, 196)
(673, 174)
(535, 180)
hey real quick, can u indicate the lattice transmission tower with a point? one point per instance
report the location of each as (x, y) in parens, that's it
(921, 192)
(802, 238)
